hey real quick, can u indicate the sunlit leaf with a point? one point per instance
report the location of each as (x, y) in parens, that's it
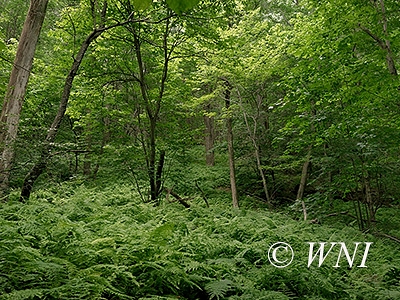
(2, 46)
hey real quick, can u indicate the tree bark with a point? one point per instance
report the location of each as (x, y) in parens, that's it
(152, 160)
(229, 137)
(177, 197)
(160, 168)
(16, 89)
(303, 183)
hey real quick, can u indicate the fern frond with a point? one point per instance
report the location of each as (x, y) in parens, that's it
(23, 294)
(218, 289)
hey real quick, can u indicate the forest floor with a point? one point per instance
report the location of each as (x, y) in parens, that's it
(100, 241)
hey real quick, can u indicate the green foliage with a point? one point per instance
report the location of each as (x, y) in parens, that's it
(304, 75)
(180, 6)
(96, 243)
(12, 17)
(141, 4)
(217, 289)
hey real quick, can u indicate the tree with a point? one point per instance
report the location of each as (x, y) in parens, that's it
(151, 104)
(229, 139)
(16, 89)
(40, 165)
(339, 84)
(384, 43)
(243, 57)
(147, 78)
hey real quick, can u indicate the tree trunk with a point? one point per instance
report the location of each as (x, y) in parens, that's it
(229, 137)
(384, 44)
(389, 54)
(152, 160)
(252, 134)
(40, 165)
(368, 199)
(303, 183)
(209, 137)
(16, 89)
(150, 147)
(152, 109)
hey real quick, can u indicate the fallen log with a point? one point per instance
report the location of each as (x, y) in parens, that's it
(177, 197)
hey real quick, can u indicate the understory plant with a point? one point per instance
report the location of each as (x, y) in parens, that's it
(80, 242)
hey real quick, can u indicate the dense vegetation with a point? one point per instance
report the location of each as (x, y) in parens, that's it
(85, 242)
(162, 147)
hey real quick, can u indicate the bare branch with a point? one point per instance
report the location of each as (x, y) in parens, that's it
(380, 42)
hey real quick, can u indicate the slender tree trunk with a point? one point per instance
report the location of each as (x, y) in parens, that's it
(159, 172)
(252, 134)
(263, 178)
(209, 137)
(370, 207)
(229, 135)
(153, 107)
(303, 183)
(389, 54)
(232, 176)
(149, 147)
(152, 160)
(16, 89)
(40, 165)
(383, 43)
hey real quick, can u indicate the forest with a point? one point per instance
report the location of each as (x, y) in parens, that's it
(200, 149)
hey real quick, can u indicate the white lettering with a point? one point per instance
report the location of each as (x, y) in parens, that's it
(320, 251)
(346, 252)
(367, 245)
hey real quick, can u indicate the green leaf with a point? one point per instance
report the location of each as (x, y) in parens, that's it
(142, 4)
(180, 6)
(2, 46)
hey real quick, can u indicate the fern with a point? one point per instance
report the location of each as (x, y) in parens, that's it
(103, 243)
(218, 289)
(23, 294)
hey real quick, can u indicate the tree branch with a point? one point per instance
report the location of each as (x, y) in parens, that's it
(380, 42)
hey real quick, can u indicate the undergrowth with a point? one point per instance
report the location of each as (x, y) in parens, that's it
(80, 242)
